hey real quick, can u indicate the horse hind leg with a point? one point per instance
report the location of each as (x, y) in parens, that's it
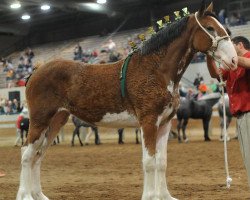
(39, 139)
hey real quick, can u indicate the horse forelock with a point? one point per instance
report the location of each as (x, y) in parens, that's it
(164, 37)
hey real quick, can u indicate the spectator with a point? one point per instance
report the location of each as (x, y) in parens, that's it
(114, 56)
(198, 80)
(10, 73)
(190, 94)
(78, 52)
(182, 90)
(109, 46)
(222, 16)
(202, 90)
(29, 54)
(21, 116)
(213, 87)
(16, 107)
(2, 104)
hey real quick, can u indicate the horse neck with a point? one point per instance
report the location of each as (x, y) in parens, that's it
(174, 58)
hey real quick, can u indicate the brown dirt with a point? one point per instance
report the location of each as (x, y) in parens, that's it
(111, 171)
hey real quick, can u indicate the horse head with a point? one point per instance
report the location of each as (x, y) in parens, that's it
(211, 38)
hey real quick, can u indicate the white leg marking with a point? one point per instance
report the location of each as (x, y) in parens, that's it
(88, 132)
(36, 181)
(162, 192)
(30, 186)
(149, 173)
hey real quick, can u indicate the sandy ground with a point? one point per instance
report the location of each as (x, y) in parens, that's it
(111, 171)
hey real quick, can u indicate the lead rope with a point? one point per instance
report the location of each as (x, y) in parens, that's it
(222, 84)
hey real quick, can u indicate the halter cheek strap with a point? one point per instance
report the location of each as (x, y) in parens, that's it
(215, 40)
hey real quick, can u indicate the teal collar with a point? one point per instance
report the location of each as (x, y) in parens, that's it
(123, 74)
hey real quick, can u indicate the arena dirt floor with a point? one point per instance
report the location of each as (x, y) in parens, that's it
(114, 172)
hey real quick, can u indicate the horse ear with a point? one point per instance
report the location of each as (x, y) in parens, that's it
(210, 7)
(202, 8)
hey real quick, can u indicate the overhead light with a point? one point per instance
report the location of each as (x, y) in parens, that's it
(92, 6)
(101, 1)
(25, 17)
(45, 7)
(15, 5)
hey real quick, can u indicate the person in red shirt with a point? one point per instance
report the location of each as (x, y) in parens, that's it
(18, 127)
(238, 89)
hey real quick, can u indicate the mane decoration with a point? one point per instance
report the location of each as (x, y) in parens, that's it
(164, 36)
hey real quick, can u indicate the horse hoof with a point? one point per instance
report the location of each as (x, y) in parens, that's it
(186, 140)
(207, 139)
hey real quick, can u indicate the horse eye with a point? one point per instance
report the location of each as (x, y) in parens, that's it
(210, 28)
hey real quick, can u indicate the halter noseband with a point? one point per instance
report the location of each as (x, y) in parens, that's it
(215, 40)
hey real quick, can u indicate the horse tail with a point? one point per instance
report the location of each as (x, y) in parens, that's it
(35, 67)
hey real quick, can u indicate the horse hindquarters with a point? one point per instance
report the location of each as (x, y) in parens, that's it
(39, 140)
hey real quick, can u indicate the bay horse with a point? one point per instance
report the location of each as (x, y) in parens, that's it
(196, 109)
(93, 94)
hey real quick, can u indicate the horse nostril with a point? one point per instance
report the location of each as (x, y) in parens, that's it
(234, 61)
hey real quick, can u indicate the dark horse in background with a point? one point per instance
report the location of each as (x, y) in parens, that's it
(78, 124)
(229, 115)
(120, 135)
(196, 109)
(24, 127)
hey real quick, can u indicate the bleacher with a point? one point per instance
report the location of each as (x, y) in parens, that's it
(65, 49)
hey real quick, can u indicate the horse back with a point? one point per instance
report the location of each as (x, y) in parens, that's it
(92, 89)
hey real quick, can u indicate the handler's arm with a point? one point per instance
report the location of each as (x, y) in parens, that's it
(244, 62)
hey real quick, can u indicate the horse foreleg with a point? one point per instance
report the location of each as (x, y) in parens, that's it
(120, 136)
(184, 126)
(97, 138)
(179, 125)
(78, 135)
(148, 135)
(162, 192)
(205, 127)
(73, 137)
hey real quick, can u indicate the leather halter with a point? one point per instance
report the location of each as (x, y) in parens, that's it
(215, 40)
